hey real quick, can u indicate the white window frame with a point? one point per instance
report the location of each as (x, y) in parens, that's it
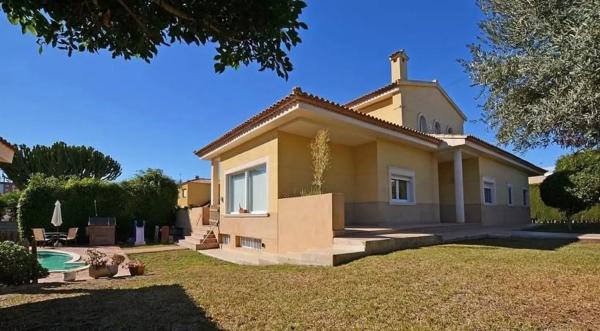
(419, 123)
(402, 174)
(510, 196)
(525, 198)
(246, 168)
(250, 243)
(488, 180)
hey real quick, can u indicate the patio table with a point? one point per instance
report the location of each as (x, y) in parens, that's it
(55, 237)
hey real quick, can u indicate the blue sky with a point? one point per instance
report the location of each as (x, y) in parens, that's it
(155, 115)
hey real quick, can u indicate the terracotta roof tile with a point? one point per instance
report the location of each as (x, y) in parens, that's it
(370, 95)
(484, 143)
(298, 95)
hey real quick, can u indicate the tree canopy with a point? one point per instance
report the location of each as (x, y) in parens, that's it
(60, 160)
(575, 184)
(538, 64)
(242, 31)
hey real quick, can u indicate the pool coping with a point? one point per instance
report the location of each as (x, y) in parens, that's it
(74, 258)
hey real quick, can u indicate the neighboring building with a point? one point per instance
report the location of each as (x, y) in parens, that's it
(7, 151)
(194, 193)
(399, 156)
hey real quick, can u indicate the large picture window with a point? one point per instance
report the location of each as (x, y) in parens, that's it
(402, 186)
(247, 191)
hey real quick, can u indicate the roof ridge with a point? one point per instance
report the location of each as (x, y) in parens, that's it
(298, 94)
(371, 94)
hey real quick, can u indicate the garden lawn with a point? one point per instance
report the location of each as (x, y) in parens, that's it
(480, 285)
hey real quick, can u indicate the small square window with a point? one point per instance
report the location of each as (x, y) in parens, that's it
(225, 239)
(402, 186)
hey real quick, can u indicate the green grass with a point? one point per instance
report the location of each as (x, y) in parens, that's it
(479, 285)
(564, 228)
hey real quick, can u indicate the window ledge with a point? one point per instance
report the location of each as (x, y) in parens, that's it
(246, 215)
(402, 203)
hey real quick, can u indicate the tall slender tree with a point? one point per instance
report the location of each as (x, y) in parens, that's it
(60, 160)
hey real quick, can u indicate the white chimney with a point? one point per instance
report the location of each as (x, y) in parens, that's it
(399, 62)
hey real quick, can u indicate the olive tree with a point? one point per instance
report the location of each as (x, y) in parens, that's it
(538, 64)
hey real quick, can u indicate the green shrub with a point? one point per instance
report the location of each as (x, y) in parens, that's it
(575, 184)
(18, 266)
(152, 198)
(541, 213)
(149, 196)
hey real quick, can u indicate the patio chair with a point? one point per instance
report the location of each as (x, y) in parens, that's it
(39, 235)
(71, 236)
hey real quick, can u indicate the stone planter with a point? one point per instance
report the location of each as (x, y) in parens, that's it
(105, 271)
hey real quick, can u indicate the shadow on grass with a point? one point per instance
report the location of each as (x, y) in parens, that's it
(161, 307)
(520, 243)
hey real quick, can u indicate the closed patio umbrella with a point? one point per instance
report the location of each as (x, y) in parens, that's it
(57, 216)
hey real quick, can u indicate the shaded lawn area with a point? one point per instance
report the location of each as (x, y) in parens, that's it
(580, 228)
(488, 284)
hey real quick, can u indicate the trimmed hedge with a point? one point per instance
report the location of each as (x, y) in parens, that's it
(542, 213)
(138, 198)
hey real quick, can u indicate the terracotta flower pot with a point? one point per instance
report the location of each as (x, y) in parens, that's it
(136, 270)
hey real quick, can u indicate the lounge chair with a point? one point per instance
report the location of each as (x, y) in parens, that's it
(39, 235)
(71, 236)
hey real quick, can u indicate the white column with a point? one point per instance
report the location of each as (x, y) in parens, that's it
(214, 183)
(459, 199)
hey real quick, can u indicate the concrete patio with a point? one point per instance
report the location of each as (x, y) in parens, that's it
(57, 277)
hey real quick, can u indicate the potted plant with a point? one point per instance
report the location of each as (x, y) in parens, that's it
(136, 267)
(101, 265)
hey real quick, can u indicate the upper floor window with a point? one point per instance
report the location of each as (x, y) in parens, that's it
(247, 191)
(422, 124)
(437, 127)
(450, 131)
(184, 193)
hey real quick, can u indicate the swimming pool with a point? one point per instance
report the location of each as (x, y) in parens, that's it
(60, 261)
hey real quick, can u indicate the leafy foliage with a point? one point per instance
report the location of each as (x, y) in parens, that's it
(152, 196)
(60, 160)
(243, 31)
(8, 203)
(148, 197)
(539, 69)
(18, 266)
(575, 184)
(321, 159)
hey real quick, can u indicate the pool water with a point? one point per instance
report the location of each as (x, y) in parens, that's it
(58, 261)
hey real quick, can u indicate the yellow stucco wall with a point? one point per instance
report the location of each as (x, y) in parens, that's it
(504, 175)
(198, 194)
(260, 227)
(387, 109)
(295, 167)
(365, 168)
(423, 163)
(430, 102)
